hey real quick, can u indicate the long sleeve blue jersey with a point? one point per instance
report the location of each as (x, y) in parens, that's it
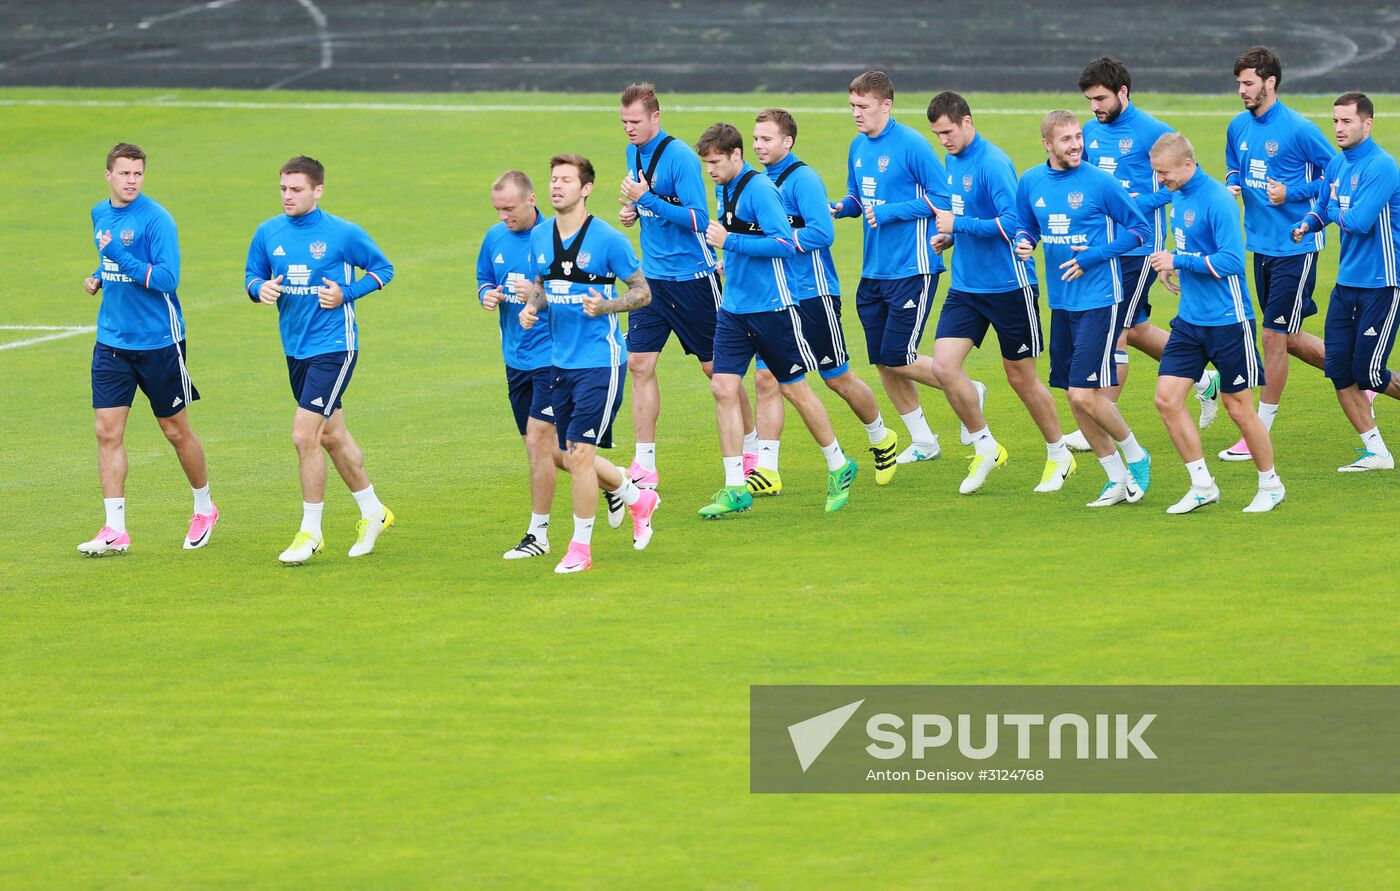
(1366, 210)
(1281, 145)
(1121, 148)
(1084, 208)
(982, 189)
(759, 244)
(804, 199)
(672, 214)
(140, 270)
(304, 250)
(593, 258)
(897, 173)
(504, 262)
(1209, 253)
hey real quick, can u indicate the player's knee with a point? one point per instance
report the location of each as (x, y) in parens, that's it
(945, 369)
(108, 433)
(306, 439)
(332, 439)
(175, 434)
(1082, 398)
(724, 387)
(640, 365)
(1165, 402)
(1240, 410)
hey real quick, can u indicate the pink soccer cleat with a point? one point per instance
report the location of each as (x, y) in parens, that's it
(750, 463)
(200, 527)
(643, 478)
(578, 558)
(1237, 452)
(106, 541)
(641, 518)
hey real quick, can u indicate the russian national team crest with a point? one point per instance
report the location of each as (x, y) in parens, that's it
(883, 163)
(1355, 178)
(128, 236)
(568, 266)
(967, 183)
(1125, 145)
(318, 249)
(1271, 147)
(1076, 200)
(1190, 217)
(583, 259)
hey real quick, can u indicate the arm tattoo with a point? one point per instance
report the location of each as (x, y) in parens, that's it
(638, 295)
(537, 298)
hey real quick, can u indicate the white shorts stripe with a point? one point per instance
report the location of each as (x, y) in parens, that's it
(920, 315)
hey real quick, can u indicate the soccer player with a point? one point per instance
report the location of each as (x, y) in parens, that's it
(571, 261)
(140, 343)
(665, 192)
(758, 317)
(1215, 323)
(302, 261)
(502, 268)
(813, 284)
(1117, 142)
(893, 182)
(1360, 192)
(1086, 220)
(991, 287)
(1274, 158)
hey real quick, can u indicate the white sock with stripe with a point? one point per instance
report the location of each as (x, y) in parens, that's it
(733, 471)
(116, 513)
(1113, 466)
(311, 517)
(628, 491)
(645, 456)
(583, 530)
(768, 451)
(1267, 413)
(875, 431)
(835, 458)
(1200, 476)
(202, 503)
(751, 441)
(1131, 450)
(539, 527)
(917, 425)
(983, 443)
(1056, 450)
(370, 508)
(1371, 439)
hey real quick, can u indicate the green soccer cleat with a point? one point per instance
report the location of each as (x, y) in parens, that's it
(729, 500)
(886, 453)
(838, 485)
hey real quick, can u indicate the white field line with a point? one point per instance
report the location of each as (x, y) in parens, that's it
(62, 331)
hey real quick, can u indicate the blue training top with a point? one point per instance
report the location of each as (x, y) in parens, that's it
(139, 269)
(593, 258)
(1209, 253)
(758, 246)
(1121, 148)
(804, 198)
(1366, 209)
(1281, 145)
(982, 189)
(504, 262)
(672, 214)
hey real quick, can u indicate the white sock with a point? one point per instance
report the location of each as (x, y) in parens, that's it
(646, 456)
(1200, 476)
(202, 503)
(1266, 414)
(1371, 439)
(539, 527)
(1204, 383)
(1131, 450)
(733, 471)
(835, 458)
(370, 508)
(1113, 466)
(768, 451)
(583, 530)
(628, 492)
(1056, 450)
(751, 441)
(311, 517)
(1268, 477)
(983, 443)
(918, 427)
(876, 431)
(116, 513)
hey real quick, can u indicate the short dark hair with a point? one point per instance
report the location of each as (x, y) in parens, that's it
(1264, 61)
(1360, 100)
(643, 93)
(313, 170)
(787, 125)
(1106, 71)
(586, 174)
(873, 83)
(125, 150)
(950, 105)
(723, 138)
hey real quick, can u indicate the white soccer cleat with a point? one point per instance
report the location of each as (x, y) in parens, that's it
(1197, 498)
(1077, 442)
(919, 451)
(529, 546)
(1369, 461)
(367, 532)
(617, 509)
(304, 546)
(980, 468)
(1210, 401)
(1113, 493)
(1267, 498)
(963, 433)
(1052, 479)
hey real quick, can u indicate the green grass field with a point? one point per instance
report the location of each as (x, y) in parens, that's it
(434, 716)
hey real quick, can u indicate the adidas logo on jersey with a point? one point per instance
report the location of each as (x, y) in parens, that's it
(1024, 349)
(857, 162)
(1369, 332)
(794, 369)
(590, 432)
(1094, 144)
(909, 305)
(176, 403)
(547, 411)
(1093, 377)
(319, 402)
(826, 360)
(500, 258)
(1040, 202)
(1239, 379)
(1280, 321)
(279, 252)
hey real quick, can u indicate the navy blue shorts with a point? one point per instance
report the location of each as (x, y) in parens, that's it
(1285, 288)
(586, 401)
(1081, 347)
(893, 313)
(821, 328)
(1014, 314)
(318, 382)
(775, 337)
(686, 308)
(1230, 348)
(531, 394)
(1359, 336)
(1137, 277)
(160, 373)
